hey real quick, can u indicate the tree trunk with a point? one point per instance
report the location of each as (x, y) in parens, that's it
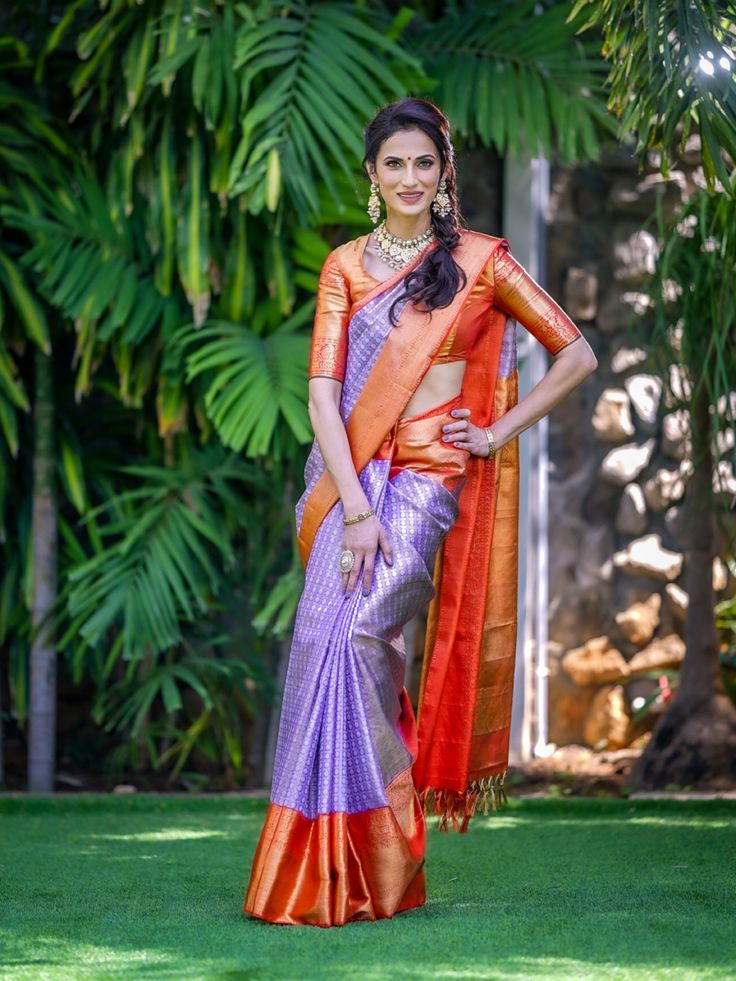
(694, 743)
(42, 715)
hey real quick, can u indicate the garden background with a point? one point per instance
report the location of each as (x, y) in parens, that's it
(172, 176)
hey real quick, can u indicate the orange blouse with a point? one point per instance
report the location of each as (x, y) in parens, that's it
(504, 283)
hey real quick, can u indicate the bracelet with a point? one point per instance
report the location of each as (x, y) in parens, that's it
(491, 442)
(358, 517)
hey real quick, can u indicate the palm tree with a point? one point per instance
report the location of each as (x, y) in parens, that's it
(673, 70)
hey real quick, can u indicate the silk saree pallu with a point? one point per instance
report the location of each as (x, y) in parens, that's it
(344, 835)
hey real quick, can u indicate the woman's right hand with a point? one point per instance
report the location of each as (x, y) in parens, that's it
(364, 539)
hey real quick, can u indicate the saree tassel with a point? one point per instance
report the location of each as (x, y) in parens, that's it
(455, 808)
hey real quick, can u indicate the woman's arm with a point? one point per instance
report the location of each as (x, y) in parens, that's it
(571, 366)
(367, 536)
(327, 362)
(517, 294)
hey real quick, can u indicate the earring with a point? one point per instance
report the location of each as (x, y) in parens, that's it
(441, 204)
(374, 203)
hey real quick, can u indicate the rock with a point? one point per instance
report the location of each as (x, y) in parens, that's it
(595, 662)
(612, 416)
(607, 722)
(720, 575)
(124, 788)
(646, 557)
(691, 152)
(679, 390)
(629, 196)
(619, 308)
(676, 434)
(725, 441)
(664, 488)
(724, 481)
(578, 612)
(635, 253)
(627, 357)
(663, 653)
(631, 518)
(581, 293)
(640, 620)
(678, 600)
(594, 558)
(645, 392)
(675, 521)
(624, 464)
(568, 702)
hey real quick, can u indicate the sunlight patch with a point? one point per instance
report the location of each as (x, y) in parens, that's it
(172, 834)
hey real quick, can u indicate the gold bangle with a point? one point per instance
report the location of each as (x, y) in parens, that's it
(358, 517)
(491, 442)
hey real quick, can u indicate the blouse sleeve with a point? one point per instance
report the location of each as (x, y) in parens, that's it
(522, 298)
(329, 337)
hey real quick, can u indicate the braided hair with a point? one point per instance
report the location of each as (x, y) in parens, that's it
(437, 278)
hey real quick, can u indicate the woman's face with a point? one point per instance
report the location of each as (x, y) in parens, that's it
(407, 171)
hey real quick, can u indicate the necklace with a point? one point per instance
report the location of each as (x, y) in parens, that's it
(395, 251)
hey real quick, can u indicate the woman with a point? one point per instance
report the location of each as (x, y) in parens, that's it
(411, 493)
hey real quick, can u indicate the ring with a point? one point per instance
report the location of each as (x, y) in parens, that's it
(347, 560)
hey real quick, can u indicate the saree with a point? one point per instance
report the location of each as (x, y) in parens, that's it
(344, 834)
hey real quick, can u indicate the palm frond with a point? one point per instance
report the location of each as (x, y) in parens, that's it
(517, 77)
(672, 68)
(304, 107)
(253, 382)
(165, 551)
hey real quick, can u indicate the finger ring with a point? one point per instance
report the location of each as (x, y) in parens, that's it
(347, 560)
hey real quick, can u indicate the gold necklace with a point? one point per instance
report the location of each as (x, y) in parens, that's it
(395, 251)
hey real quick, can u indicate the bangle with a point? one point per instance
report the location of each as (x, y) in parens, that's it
(358, 517)
(491, 441)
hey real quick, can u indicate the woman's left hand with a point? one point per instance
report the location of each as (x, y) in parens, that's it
(463, 434)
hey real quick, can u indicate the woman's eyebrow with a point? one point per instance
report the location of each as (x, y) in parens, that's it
(421, 156)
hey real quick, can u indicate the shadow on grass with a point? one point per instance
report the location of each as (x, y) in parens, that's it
(585, 888)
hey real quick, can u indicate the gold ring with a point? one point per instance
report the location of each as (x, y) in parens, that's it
(347, 560)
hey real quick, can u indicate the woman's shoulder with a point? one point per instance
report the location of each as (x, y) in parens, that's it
(350, 252)
(481, 238)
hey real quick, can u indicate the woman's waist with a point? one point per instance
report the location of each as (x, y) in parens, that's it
(440, 384)
(415, 442)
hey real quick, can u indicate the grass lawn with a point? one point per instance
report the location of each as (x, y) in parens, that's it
(147, 886)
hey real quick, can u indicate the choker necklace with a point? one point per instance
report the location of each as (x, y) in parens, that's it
(395, 251)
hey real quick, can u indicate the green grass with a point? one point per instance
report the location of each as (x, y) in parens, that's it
(146, 886)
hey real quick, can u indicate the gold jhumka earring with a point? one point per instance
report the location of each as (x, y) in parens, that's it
(441, 204)
(374, 203)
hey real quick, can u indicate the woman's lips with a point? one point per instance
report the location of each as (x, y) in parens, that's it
(411, 197)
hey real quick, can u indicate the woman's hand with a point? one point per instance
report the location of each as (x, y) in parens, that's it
(465, 435)
(364, 539)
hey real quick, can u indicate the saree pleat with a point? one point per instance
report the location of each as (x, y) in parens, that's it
(344, 834)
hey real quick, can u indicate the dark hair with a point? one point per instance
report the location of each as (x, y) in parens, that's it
(437, 278)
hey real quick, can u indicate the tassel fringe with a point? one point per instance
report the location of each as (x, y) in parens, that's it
(456, 808)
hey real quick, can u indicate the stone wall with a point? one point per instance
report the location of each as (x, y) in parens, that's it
(618, 464)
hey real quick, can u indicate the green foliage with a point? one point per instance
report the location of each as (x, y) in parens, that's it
(516, 78)
(692, 328)
(672, 69)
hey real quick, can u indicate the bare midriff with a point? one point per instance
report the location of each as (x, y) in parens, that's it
(442, 382)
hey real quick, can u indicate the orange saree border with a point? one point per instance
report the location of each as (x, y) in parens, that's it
(468, 670)
(402, 363)
(339, 867)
